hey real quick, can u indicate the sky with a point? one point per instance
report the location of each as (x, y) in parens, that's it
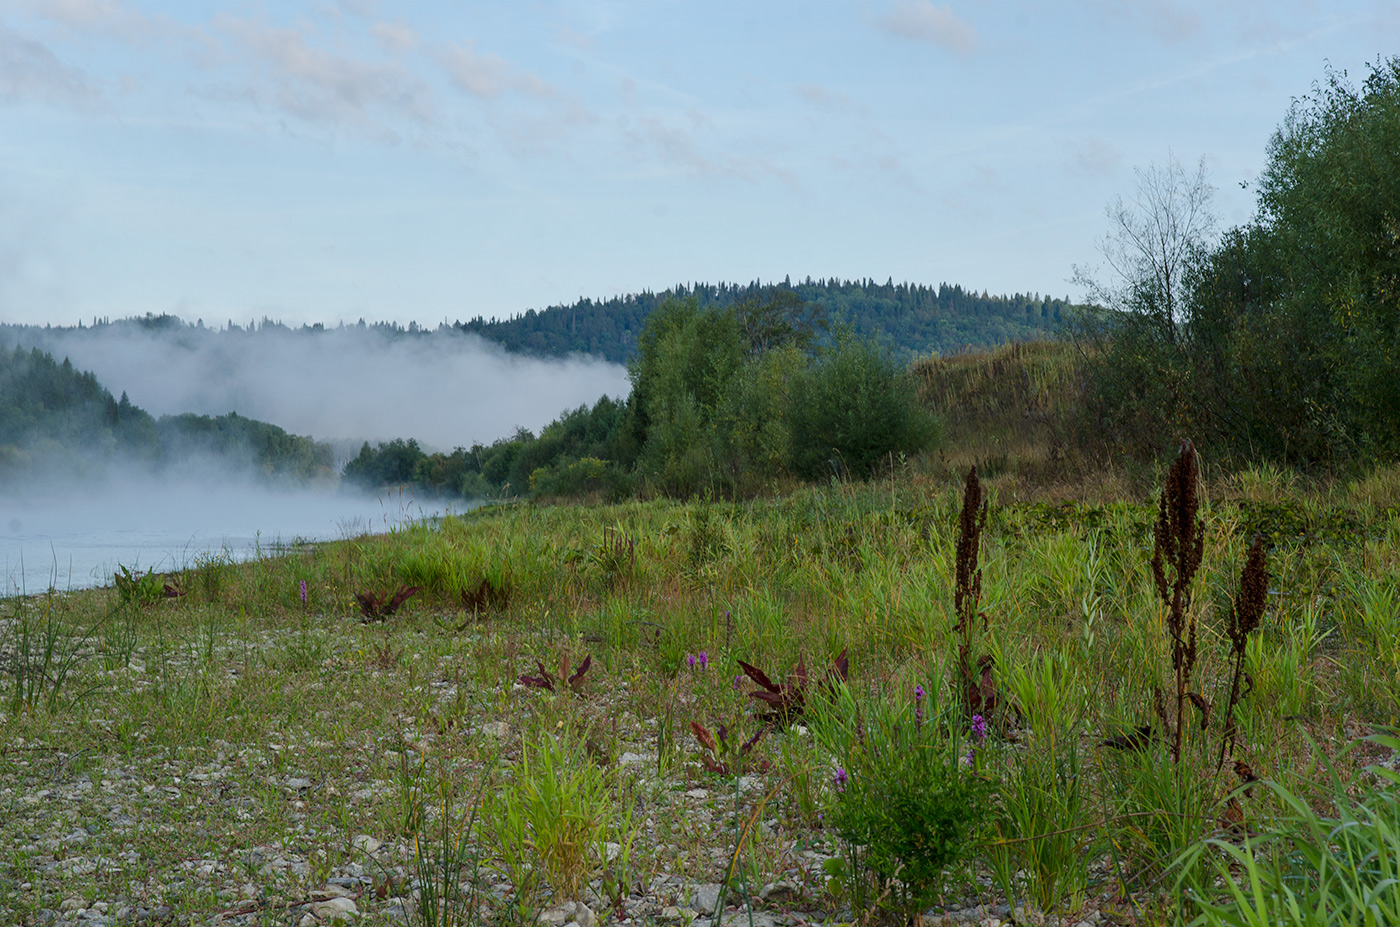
(330, 161)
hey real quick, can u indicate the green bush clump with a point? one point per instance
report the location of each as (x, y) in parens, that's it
(853, 410)
(907, 799)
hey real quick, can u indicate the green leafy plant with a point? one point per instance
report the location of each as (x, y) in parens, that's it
(1309, 868)
(134, 588)
(553, 820)
(906, 799)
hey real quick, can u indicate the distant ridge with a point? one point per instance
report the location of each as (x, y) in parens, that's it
(917, 319)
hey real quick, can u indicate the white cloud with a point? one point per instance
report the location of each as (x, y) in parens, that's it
(832, 101)
(486, 75)
(921, 21)
(321, 87)
(30, 72)
(394, 38)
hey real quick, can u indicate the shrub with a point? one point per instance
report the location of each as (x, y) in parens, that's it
(853, 409)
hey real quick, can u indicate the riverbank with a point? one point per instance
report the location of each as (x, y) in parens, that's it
(257, 749)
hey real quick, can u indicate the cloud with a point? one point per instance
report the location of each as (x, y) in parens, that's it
(394, 38)
(921, 21)
(320, 87)
(1168, 20)
(113, 19)
(29, 72)
(832, 101)
(485, 75)
(1096, 156)
(445, 389)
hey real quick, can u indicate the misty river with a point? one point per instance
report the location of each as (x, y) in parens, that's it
(77, 540)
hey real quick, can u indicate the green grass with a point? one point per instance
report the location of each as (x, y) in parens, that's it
(238, 688)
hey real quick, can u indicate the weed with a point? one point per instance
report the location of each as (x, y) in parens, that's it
(138, 588)
(376, 607)
(43, 656)
(788, 700)
(563, 679)
(553, 819)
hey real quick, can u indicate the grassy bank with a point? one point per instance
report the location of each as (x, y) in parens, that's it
(250, 752)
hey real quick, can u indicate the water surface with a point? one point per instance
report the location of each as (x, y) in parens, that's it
(78, 539)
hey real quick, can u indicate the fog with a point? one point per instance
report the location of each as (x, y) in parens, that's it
(77, 536)
(443, 388)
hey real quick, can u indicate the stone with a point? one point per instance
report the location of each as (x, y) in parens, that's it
(367, 844)
(335, 908)
(704, 897)
(557, 916)
(697, 793)
(298, 785)
(496, 729)
(781, 892)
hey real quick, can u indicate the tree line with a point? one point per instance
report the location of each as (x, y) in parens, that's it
(1278, 340)
(56, 419)
(725, 400)
(916, 319)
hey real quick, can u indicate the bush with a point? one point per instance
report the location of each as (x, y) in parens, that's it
(853, 409)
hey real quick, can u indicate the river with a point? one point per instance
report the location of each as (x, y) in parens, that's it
(78, 539)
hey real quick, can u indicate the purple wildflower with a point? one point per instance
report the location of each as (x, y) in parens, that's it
(703, 660)
(918, 707)
(303, 592)
(738, 683)
(690, 660)
(840, 778)
(979, 728)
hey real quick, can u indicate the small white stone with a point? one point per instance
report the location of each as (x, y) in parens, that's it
(335, 908)
(367, 844)
(495, 729)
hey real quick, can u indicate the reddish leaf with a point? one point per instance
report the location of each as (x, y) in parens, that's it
(841, 666)
(703, 735)
(576, 680)
(757, 675)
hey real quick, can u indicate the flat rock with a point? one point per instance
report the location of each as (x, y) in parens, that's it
(704, 897)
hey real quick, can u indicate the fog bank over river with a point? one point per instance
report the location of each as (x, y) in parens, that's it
(77, 537)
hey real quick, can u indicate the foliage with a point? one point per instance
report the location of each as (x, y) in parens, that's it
(565, 679)
(905, 800)
(854, 410)
(41, 655)
(1310, 868)
(53, 416)
(787, 701)
(1283, 340)
(918, 319)
(376, 606)
(553, 819)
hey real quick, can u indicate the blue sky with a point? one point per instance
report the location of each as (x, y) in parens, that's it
(328, 161)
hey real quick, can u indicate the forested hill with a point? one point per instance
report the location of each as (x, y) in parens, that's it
(917, 319)
(59, 420)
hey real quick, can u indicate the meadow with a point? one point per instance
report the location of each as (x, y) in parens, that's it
(557, 722)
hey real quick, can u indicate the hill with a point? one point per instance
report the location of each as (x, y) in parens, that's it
(917, 319)
(57, 419)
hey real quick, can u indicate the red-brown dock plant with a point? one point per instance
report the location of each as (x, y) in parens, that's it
(974, 687)
(376, 607)
(1178, 542)
(552, 681)
(1246, 614)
